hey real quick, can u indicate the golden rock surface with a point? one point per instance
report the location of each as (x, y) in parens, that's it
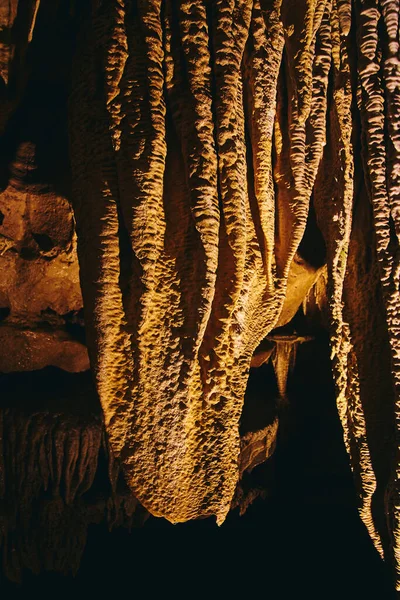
(211, 145)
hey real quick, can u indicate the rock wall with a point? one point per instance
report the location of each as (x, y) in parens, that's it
(234, 167)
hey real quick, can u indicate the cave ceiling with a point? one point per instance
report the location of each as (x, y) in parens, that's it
(192, 193)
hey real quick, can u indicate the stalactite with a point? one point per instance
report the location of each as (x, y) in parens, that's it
(315, 303)
(201, 134)
(257, 446)
(284, 358)
(45, 451)
(49, 461)
(335, 182)
(183, 331)
(378, 101)
(48, 464)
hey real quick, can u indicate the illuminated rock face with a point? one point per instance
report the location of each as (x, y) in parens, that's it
(192, 234)
(211, 144)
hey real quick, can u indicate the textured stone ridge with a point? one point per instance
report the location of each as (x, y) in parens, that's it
(379, 103)
(48, 464)
(212, 143)
(185, 262)
(196, 153)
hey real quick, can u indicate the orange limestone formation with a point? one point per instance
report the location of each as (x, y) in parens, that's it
(378, 98)
(235, 166)
(185, 241)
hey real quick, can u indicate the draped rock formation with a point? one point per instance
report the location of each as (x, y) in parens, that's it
(235, 166)
(51, 486)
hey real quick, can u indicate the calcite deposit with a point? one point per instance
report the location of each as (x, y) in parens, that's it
(208, 175)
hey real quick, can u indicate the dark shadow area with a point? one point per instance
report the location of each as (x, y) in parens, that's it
(39, 88)
(4, 312)
(312, 246)
(306, 540)
(44, 241)
(75, 325)
(50, 389)
(260, 405)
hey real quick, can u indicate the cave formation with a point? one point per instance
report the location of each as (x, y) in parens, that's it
(193, 194)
